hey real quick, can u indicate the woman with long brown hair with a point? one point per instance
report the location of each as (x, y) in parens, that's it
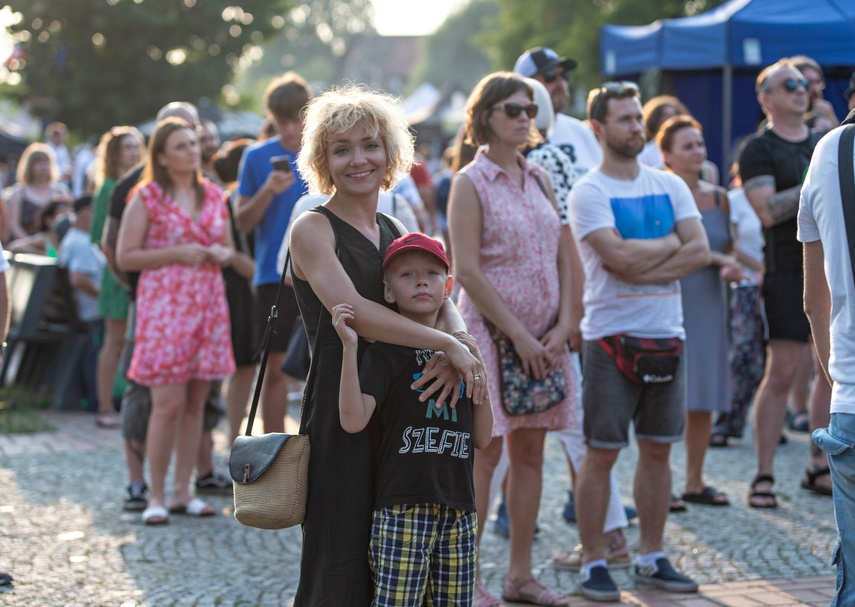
(175, 232)
(119, 150)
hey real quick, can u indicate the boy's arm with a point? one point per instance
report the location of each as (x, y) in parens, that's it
(354, 408)
(482, 416)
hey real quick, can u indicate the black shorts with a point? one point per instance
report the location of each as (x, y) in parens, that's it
(265, 296)
(783, 307)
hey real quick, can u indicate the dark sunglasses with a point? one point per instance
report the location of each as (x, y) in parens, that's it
(550, 77)
(513, 110)
(791, 85)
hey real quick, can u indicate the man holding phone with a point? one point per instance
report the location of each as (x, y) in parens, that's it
(269, 186)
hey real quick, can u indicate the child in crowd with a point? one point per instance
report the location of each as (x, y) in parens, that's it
(423, 532)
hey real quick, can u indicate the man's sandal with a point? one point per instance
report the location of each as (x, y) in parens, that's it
(768, 497)
(809, 482)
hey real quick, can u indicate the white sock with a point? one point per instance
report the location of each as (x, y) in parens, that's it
(585, 571)
(649, 559)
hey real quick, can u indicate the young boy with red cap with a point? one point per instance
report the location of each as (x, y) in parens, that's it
(423, 532)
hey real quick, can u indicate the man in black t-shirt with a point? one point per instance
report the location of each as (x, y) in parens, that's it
(772, 166)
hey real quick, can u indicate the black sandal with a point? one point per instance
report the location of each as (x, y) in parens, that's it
(762, 478)
(718, 440)
(809, 482)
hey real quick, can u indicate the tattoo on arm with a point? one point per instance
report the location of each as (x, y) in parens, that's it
(784, 205)
(761, 181)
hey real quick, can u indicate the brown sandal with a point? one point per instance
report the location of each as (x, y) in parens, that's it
(617, 557)
(533, 592)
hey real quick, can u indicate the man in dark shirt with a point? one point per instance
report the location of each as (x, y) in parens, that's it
(772, 167)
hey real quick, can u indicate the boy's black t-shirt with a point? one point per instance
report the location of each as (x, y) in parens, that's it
(425, 454)
(786, 161)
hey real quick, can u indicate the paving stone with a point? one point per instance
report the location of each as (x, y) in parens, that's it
(67, 541)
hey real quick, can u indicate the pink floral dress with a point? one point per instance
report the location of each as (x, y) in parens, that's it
(519, 251)
(182, 330)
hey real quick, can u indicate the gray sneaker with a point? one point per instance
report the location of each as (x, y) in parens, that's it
(664, 576)
(599, 586)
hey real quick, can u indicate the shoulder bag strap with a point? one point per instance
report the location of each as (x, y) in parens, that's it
(264, 347)
(847, 186)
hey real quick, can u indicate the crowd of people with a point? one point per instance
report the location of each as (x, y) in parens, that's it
(603, 265)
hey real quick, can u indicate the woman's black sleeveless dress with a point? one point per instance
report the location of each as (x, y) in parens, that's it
(334, 568)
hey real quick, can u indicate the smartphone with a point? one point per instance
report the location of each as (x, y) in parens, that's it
(281, 163)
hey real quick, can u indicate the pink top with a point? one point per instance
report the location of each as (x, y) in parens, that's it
(182, 330)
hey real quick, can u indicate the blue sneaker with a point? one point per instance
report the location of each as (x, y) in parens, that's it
(502, 526)
(569, 512)
(599, 586)
(664, 576)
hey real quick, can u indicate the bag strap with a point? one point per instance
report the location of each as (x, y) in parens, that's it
(847, 186)
(264, 347)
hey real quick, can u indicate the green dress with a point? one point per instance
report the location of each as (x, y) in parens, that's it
(113, 298)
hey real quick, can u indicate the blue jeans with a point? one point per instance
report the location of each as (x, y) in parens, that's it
(838, 441)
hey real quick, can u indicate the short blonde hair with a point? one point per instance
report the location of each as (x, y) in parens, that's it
(340, 109)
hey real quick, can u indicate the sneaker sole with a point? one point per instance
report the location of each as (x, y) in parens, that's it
(665, 585)
(601, 596)
(135, 506)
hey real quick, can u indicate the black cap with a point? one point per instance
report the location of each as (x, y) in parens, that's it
(540, 59)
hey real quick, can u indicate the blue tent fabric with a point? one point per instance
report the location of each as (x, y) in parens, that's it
(729, 45)
(739, 33)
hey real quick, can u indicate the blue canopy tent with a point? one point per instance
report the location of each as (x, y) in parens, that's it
(711, 60)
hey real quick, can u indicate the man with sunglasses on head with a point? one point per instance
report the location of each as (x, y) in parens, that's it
(772, 166)
(568, 133)
(639, 233)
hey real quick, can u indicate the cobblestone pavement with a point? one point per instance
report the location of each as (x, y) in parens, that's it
(67, 541)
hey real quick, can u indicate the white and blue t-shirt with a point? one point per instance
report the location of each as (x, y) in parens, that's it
(648, 206)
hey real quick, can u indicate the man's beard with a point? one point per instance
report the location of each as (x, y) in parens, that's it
(629, 148)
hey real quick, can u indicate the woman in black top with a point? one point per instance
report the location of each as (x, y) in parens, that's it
(355, 142)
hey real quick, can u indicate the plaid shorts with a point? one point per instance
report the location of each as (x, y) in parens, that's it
(423, 555)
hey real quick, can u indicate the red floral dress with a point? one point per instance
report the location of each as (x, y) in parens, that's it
(182, 330)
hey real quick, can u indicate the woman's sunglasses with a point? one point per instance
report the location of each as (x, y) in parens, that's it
(513, 110)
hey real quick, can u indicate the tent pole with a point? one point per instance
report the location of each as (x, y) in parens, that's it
(727, 115)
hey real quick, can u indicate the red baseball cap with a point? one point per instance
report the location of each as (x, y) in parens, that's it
(416, 241)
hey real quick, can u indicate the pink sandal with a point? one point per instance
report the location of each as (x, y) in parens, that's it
(483, 598)
(533, 592)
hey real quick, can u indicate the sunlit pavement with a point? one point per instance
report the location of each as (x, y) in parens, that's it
(67, 541)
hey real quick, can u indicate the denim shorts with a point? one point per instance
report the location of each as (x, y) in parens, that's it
(610, 401)
(838, 441)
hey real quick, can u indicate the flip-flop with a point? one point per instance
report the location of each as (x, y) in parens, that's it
(195, 507)
(155, 515)
(710, 496)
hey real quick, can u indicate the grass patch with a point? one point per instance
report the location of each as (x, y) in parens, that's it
(20, 411)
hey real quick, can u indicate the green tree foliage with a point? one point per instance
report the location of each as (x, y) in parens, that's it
(452, 55)
(319, 36)
(97, 63)
(573, 28)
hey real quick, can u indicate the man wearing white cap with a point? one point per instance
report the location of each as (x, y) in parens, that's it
(570, 134)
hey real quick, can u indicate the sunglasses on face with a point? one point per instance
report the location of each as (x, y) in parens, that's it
(513, 110)
(550, 77)
(791, 85)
